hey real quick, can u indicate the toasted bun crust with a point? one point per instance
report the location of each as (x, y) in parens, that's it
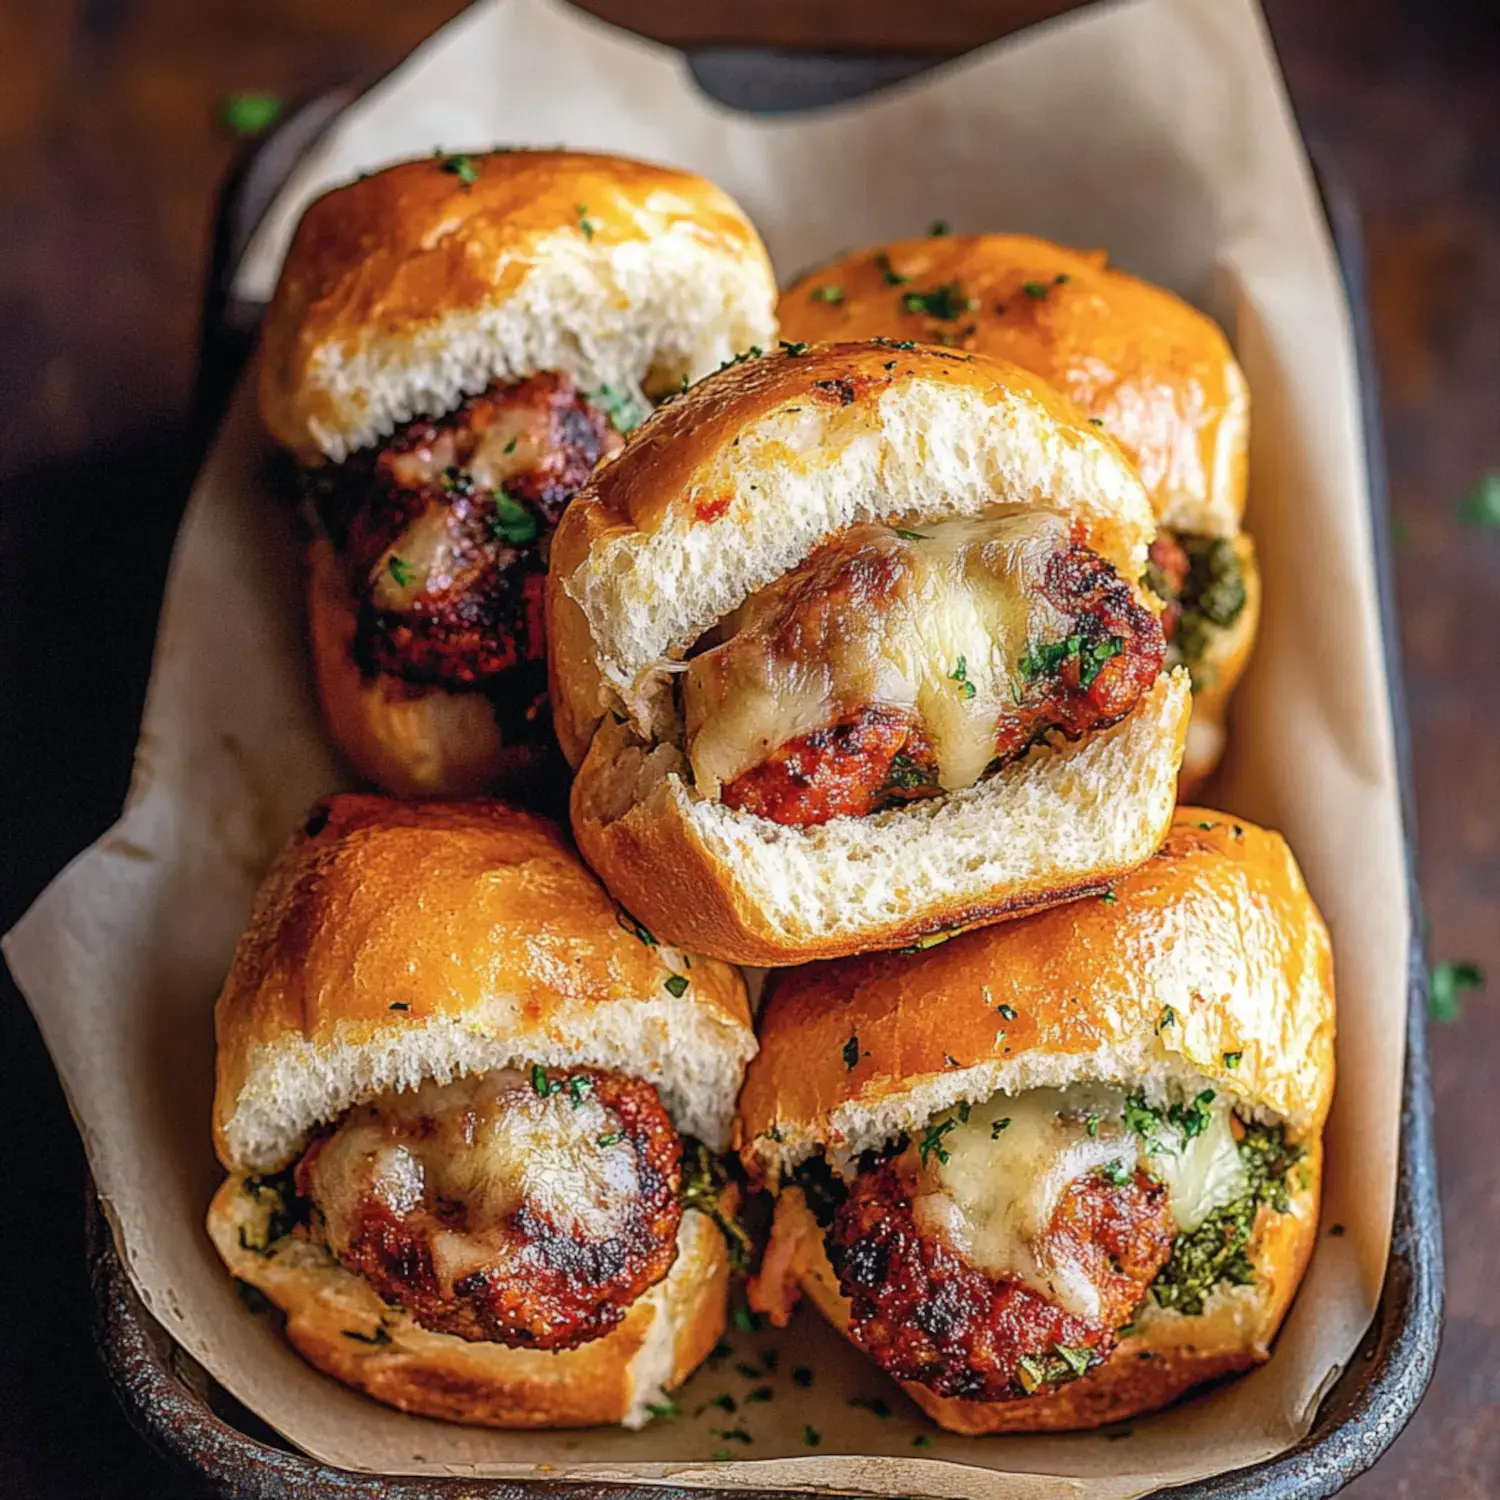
(1058, 826)
(332, 1316)
(723, 491)
(1215, 677)
(1218, 926)
(420, 284)
(406, 738)
(1158, 373)
(1165, 1357)
(394, 942)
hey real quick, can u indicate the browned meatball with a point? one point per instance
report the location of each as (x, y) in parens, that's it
(521, 1209)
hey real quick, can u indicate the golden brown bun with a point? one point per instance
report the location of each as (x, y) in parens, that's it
(398, 941)
(1166, 1356)
(339, 1325)
(1218, 926)
(410, 739)
(1214, 680)
(422, 283)
(1158, 373)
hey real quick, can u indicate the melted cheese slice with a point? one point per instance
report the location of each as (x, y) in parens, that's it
(993, 1198)
(491, 1143)
(934, 622)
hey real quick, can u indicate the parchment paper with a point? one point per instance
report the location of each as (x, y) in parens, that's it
(1157, 129)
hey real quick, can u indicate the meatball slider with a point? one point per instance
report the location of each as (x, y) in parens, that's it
(1156, 373)
(467, 1107)
(850, 645)
(1055, 1173)
(453, 345)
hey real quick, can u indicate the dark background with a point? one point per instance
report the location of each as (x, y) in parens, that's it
(110, 156)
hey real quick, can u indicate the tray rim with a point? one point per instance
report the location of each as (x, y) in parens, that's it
(157, 1384)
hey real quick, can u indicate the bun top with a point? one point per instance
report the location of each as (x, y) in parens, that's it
(1158, 373)
(416, 286)
(729, 487)
(394, 942)
(1210, 965)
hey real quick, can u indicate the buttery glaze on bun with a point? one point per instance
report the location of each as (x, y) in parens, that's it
(419, 976)
(1155, 372)
(1097, 1075)
(799, 499)
(454, 343)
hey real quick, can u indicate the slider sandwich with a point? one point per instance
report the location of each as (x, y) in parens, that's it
(454, 344)
(1157, 376)
(468, 1108)
(1057, 1172)
(850, 649)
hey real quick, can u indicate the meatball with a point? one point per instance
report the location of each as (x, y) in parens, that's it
(521, 1209)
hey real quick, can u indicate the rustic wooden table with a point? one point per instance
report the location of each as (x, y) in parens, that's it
(109, 159)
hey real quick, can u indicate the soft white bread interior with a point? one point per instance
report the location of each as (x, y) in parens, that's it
(394, 942)
(339, 1324)
(421, 284)
(1210, 966)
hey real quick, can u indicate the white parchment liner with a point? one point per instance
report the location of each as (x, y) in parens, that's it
(1157, 129)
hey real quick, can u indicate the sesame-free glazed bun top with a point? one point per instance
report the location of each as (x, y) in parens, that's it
(1157, 373)
(423, 283)
(987, 1076)
(395, 942)
(737, 484)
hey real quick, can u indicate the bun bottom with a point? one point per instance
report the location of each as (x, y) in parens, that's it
(702, 876)
(1164, 1358)
(1222, 667)
(410, 740)
(338, 1324)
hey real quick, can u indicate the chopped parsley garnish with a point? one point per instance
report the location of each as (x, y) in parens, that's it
(1337, 1231)
(585, 224)
(462, 168)
(1033, 1371)
(794, 347)
(1481, 506)
(931, 1144)
(634, 928)
(625, 411)
(731, 1434)
(1048, 658)
(1211, 598)
(1107, 897)
(510, 447)
(938, 227)
(1116, 1173)
(511, 521)
(921, 1441)
(399, 1005)
(1096, 422)
(890, 274)
(802, 1376)
(1091, 1125)
(1077, 1360)
(725, 1403)
(911, 536)
(1167, 1018)
(745, 1320)
(760, 1393)
(1036, 290)
(833, 295)
(1445, 986)
(254, 1300)
(896, 343)
(1140, 1117)
(964, 1108)
(401, 571)
(543, 1085)
(1216, 1251)
(579, 1088)
(1192, 1119)
(666, 1411)
(277, 1195)
(947, 302)
(811, 1436)
(1232, 1059)
(960, 675)
(380, 1336)
(907, 775)
(1007, 1012)
(851, 1053)
(881, 1408)
(250, 112)
(610, 1138)
(675, 985)
(997, 1127)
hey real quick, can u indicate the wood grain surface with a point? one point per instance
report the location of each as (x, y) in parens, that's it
(110, 158)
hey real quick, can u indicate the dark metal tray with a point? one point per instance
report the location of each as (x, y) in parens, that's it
(175, 1405)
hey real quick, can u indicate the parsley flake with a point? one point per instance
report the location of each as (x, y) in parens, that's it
(665, 1410)
(1232, 1059)
(401, 571)
(676, 985)
(794, 347)
(610, 1138)
(811, 1436)
(997, 1127)
(911, 536)
(802, 1376)
(462, 168)
(889, 273)
(1481, 506)
(1445, 985)
(851, 1053)
(1007, 1012)
(624, 410)
(1036, 290)
(249, 113)
(931, 1144)
(399, 1005)
(380, 1336)
(511, 521)
(938, 227)
(960, 675)
(585, 224)
(947, 302)
(832, 295)
(1167, 1018)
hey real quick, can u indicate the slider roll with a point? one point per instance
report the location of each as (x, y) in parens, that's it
(453, 345)
(850, 649)
(1058, 1172)
(469, 1109)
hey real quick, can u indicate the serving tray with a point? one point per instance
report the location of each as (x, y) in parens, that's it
(182, 1413)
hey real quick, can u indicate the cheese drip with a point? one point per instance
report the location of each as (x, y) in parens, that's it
(993, 1198)
(934, 621)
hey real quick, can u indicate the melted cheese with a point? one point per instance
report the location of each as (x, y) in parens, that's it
(994, 1197)
(934, 622)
